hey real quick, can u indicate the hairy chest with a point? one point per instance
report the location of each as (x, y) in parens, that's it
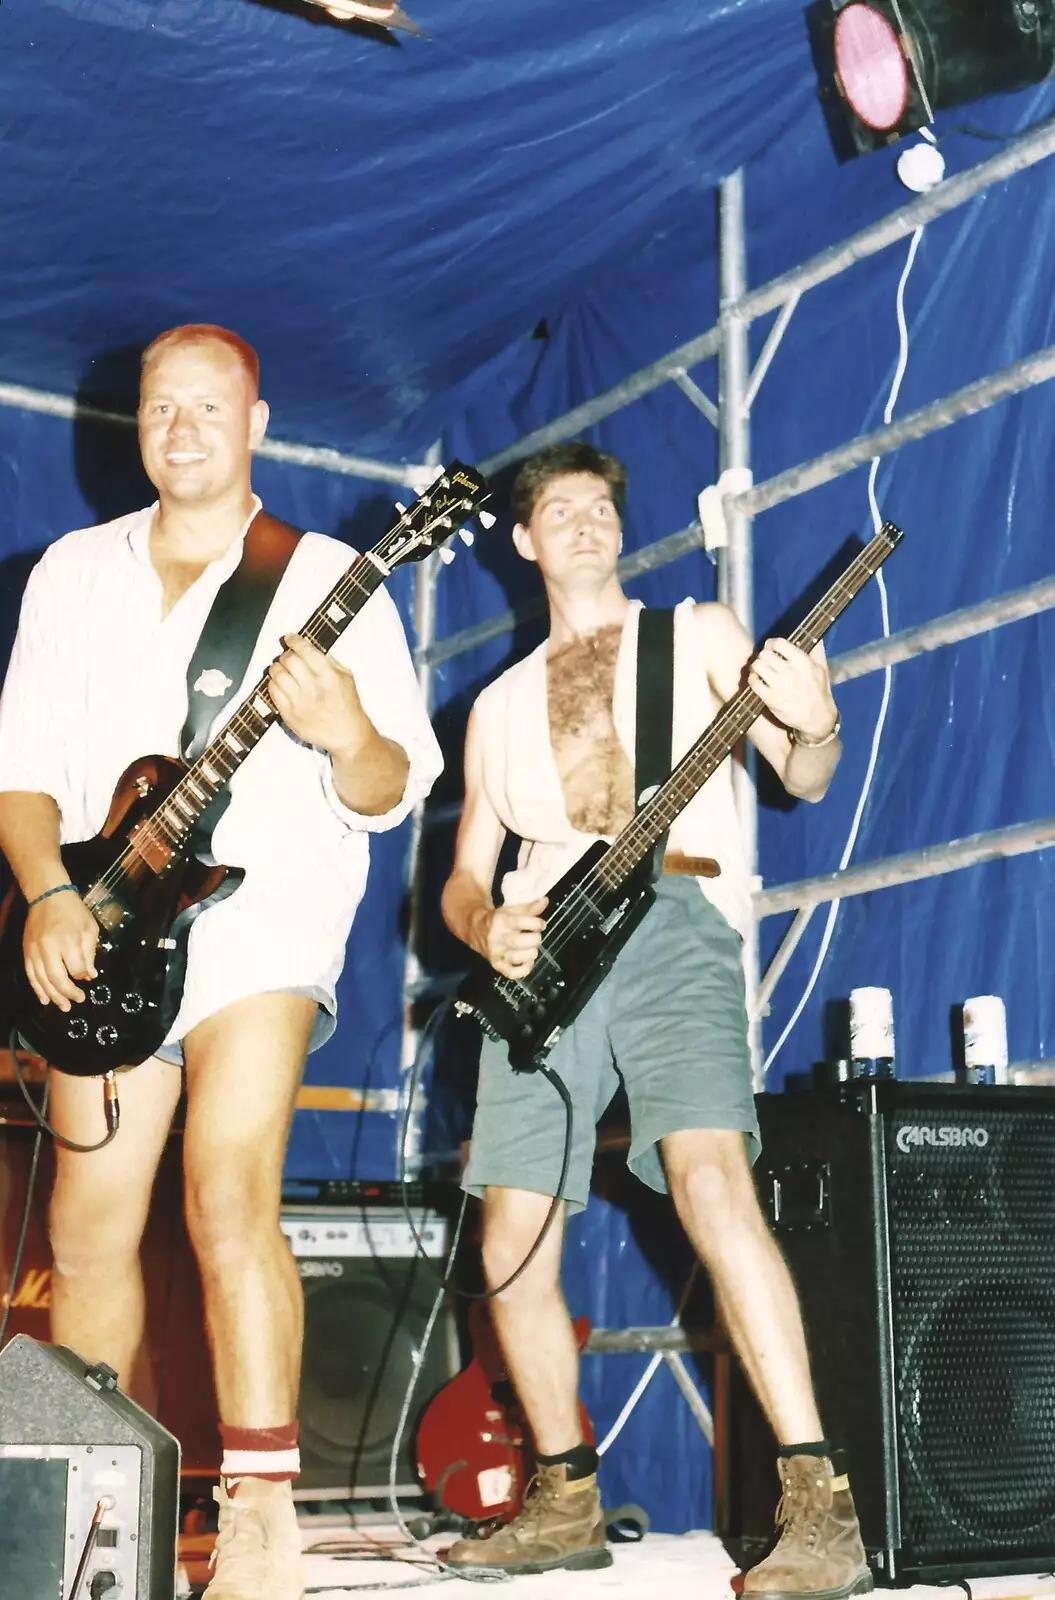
(596, 777)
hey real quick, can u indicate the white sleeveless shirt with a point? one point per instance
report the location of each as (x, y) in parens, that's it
(523, 785)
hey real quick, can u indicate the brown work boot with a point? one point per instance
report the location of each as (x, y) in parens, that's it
(819, 1555)
(561, 1524)
(258, 1547)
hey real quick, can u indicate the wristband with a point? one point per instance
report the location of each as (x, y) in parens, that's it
(817, 744)
(58, 889)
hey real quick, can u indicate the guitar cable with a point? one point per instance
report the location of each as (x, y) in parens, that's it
(111, 1107)
(23, 1231)
(432, 1027)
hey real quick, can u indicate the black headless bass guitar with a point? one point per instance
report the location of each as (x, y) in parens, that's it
(147, 876)
(595, 907)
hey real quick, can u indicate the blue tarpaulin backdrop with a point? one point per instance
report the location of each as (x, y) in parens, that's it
(458, 238)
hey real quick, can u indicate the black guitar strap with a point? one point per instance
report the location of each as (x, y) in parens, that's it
(655, 710)
(232, 627)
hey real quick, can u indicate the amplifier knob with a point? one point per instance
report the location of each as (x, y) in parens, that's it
(78, 1029)
(107, 1034)
(132, 1004)
(99, 994)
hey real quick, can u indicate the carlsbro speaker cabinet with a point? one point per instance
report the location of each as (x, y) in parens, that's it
(919, 1224)
(367, 1299)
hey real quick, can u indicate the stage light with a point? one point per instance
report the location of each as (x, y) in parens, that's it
(382, 13)
(886, 66)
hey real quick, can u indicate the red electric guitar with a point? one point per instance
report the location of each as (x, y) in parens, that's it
(474, 1447)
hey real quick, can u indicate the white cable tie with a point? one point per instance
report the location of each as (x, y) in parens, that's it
(710, 505)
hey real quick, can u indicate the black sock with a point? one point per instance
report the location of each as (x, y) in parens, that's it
(581, 1461)
(817, 1447)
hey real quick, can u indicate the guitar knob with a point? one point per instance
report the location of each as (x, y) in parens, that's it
(132, 1004)
(99, 994)
(77, 1029)
(107, 1034)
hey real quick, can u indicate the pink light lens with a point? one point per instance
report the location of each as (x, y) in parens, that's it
(872, 71)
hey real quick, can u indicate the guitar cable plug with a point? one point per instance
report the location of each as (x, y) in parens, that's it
(111, 1104)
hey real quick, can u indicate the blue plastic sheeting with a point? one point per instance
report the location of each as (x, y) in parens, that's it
(389, 224)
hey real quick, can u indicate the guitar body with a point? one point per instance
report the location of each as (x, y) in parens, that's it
(145, 923)
(585, 931)
(474, 1447)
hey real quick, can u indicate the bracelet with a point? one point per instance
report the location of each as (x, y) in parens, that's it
(59, 888)
(817, 744)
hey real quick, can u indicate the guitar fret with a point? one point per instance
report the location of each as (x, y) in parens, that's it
(232, 743)
(199, 794)
(263, 710)
(336, 612)
(209, 774)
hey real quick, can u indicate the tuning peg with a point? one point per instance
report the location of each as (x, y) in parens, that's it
(447, 555)
(466, 535)
(486, 519)
(401, 508)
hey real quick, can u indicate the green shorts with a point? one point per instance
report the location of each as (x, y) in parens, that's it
(669, 1022)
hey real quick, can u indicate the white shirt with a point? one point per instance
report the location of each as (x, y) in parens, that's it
(524, 787)
(98, 678)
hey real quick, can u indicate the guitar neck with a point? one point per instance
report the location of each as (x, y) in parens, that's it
(703, 759)
(243, 731)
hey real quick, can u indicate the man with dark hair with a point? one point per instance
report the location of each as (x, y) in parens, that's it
(109, 625)
(549, 758)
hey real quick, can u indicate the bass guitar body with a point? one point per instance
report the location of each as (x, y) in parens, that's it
(145, 893)
(586, 927)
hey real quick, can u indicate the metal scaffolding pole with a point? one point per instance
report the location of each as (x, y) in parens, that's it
(735, 562)
(974, 397)
(424, 630)
(414, 475)
(908, 867)
(954, 626)
(1034, 146)
(965, 402)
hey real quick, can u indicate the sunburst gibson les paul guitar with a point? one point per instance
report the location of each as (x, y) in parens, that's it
(140, 877)
(595, 907)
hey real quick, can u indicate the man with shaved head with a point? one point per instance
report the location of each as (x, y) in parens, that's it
(109, 625)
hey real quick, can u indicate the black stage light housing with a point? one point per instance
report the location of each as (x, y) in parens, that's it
(885, 66)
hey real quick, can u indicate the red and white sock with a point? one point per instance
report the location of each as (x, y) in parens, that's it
(268, 1453)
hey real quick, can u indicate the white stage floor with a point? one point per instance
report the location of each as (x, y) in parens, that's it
(342, 1560)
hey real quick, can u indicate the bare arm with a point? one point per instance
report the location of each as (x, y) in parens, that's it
(61, 933)
(29, 838)
(317, 697)
(506, 936)
(793, 686)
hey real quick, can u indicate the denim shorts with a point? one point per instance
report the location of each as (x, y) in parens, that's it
(669, 1021)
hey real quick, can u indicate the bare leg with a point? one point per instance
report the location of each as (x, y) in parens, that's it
(98, 1212)
(243, 1069)
(531, 1318)
(710, 1181)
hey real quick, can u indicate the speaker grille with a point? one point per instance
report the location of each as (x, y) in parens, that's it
(972, 1190)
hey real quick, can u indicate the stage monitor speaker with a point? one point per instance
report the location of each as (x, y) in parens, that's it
(367, 1299)
(87, 1479)
(919, 1223)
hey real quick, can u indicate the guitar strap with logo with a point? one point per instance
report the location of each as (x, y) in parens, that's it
(655, 710)
(227, 641)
